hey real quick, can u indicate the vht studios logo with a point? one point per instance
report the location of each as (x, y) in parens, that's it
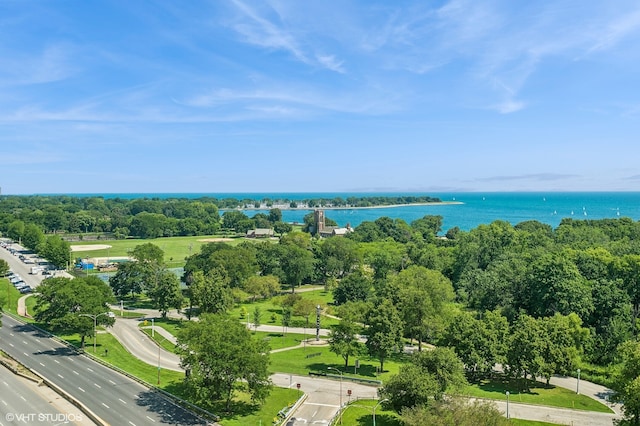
(30, 418)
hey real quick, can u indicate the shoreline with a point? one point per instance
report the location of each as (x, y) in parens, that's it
(382, 206)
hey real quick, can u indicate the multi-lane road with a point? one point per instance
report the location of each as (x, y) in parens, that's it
(115, 398)
(25, 402)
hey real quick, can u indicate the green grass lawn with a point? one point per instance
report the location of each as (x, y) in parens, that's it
(539, 393)
(360, 413)
(520, 422)
(175, 248)
(279, 341)
(272, 313)
(9, 296)
(256, 415)
(301, 361)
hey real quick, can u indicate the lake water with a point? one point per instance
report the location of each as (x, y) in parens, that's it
(476, 208)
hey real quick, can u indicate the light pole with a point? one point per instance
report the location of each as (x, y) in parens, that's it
(507, 404)
(374, 410)
(95, 326)
(578, 384)
(333, 368)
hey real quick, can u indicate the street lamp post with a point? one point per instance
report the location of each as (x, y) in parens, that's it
(578, 384)
(333, 368)
(95, 326)
(507, 404)
(374, 409)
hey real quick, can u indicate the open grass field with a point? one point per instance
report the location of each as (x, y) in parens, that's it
(360, 413)
(271, 312)
(9, 296)
(319, 359)
(539, 394)
(175, 248)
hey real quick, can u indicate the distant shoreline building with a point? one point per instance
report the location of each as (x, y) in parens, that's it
(324, 231)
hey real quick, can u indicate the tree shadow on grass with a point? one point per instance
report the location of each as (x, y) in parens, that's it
(382, 419)
(237, 408)
(502, 384)
(366, 370)
(166, 409)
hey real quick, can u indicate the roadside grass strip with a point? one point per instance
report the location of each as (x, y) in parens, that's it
(361, 413)
(539, 394)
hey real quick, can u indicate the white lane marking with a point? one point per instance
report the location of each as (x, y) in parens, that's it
(11, 344)
(4, 402)
(25, 342)
(124, 402)
(41, 364)
(56, 361)
(25, 354)
(151, 419)
(112, 382)
(89, 369)
(81, 389)
(10, 334)
(319, 404)
(23, 398)
(314, 413)
(97, 385)
(60, 375)
(75, 372)
(5, 383)
(132, 423)
(105, 405)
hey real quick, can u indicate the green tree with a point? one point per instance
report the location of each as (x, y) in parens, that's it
(56, 251)
(628, 382)
(64, 303)
(343, 340)
(148, 253)
(165, 291)
(454, 412)
(411, 387)
(296, 264)
(445, 367)
(211, 293)
(128, 279)
(4, 268)
(422, 295)
(525, 350)
(15, 230)
(384, 331)
(33, 236)
(257, 316)
(261, 285)
(555, 285)
(480, 343)
(221, 356)
(354, 287)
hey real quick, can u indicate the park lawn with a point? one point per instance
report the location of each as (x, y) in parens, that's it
(160, 340)
(247, 413)
(175, 249)
(9, 296)
(271, 313)
(361, 413)
(279, 341)
(318, 359)
(539, 394)
(169, 324)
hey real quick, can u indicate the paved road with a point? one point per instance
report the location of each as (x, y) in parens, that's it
(560, 416)
(112, 396)
(323, 398)
(24, 402)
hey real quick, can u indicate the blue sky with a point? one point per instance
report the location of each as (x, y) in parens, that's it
(311, 96)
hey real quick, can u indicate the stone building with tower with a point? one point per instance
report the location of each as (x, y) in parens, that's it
(324, 231)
